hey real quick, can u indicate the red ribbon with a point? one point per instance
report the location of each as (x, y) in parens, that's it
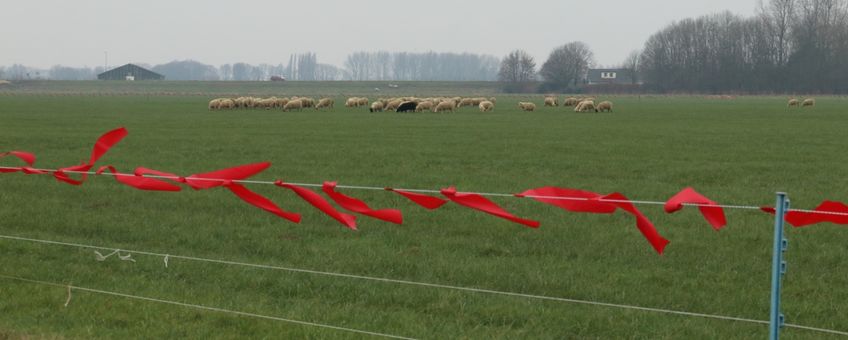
(320, 203)
(358, 206)
(260, 201)
(101, 146)
(426, 201)
(219, 177)
(805, 218)
(587, 201)
(713, 214)
(27, 157)
(477, 202)
(138, 181)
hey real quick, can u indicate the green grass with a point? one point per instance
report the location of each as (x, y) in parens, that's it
(734, 151)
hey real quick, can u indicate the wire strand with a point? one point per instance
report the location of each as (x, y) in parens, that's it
(214, 309)
(424, 284)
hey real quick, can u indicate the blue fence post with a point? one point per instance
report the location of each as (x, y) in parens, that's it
(778, 268)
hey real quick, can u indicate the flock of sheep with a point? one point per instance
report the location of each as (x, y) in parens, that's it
(807, 102)
(580, 104)
(434, 104)
(287, 104)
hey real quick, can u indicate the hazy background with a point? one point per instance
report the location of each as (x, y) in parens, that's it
(77, 33)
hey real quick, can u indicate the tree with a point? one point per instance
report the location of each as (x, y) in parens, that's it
(567, 66)
(517, 67)
(187, 70)
(631, 66)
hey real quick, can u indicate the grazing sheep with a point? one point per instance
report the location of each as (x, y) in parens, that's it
(493, 100)
(325, 103)
(215, 104)
(571, 101)
(465, 102)
(585, 106)
(363, 101)
(376, 107)
(527, 106)
(486, 106)
(393, 105)
(424, 106)
(604, 106)
(281, 102)
(407, 107)
(808, 102)
(307, 102)
(793, 102)
(352, 102)
(447, 105)
(293, 105)
(551, 101)
(268, 103)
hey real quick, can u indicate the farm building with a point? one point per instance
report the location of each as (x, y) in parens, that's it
(130, 72)
(615, 76)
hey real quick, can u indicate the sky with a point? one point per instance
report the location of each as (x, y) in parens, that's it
(78, 33)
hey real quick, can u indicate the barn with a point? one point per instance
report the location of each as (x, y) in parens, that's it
(130, 72)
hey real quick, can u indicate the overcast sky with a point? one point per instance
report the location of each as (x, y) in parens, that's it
(43, 33)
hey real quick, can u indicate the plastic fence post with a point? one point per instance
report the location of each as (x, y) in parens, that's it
(778, 268)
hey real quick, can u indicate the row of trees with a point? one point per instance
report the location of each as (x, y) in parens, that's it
(564, 70)
(789, 46)
(383, 65)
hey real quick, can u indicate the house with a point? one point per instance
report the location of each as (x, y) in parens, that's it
(615, 76)
(130, 72)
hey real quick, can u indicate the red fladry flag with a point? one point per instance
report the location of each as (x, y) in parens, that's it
(478, 202)
(586, 201)
(101, 146)
(710, 209)
(358, 206)
(27, 157)
(828, 211)
(260, 201)
(320, 203)
(139, 182)
(219, 177)
(426, 201)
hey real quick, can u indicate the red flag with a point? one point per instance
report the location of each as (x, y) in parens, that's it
(828, 211)
(217, 178)
(358, 206)
(587, 201)
(570, 199)
(426, 201)
(645, 226)
(260, 201)
(27, 157)
(321, 204)
(477, 202)
(101, 146)
(139, 182)
(714, 215)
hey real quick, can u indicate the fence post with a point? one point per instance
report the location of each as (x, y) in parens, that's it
(778, 268)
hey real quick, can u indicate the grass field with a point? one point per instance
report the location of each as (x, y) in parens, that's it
(737, 151)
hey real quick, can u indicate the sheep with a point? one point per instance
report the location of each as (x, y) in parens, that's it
(363, 101)
(407, 106)
(376, 107)
(296, 104)
(281, 102)
(551, 101)
(424, 106)
(604, 106)
(393, 105)
(793, 102)
(307, 102)
(585, 106)
(352, 102)
(493, 100)
(447, 105)
(226, 103)
(486, 106)
(465, 102)
(570, 101)
(268, 103)
(808, 102)
(325, 102)
(215, 104)
(527, 106)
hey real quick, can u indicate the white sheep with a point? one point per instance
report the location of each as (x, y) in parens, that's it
(604, 106)
(376, 106)
(527, 106)
(215, 104)
(393, 105)
(486, 106)
(585, 106)
(293, 105)
(325, 103)
(447, 105)
(793, 102)
(424, 106)
(551, 101)
(808, 102)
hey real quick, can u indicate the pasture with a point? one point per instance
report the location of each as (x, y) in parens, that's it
(738, 151)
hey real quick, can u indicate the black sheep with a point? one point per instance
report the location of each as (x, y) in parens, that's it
(407, 107)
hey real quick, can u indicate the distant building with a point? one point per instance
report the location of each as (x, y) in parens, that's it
(615, 76)
(130, 72)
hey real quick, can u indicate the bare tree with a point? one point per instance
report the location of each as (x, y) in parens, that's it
(631, 66)
(517, 67)
(567, 65)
